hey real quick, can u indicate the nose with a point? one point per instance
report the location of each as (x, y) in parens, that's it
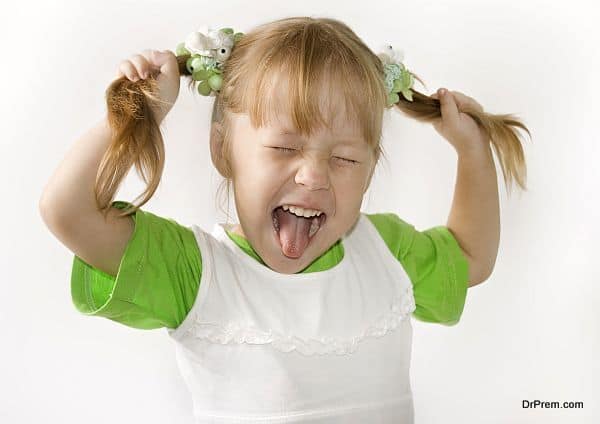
(313, 173)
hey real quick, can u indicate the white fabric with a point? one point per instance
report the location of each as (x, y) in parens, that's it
(332, 346)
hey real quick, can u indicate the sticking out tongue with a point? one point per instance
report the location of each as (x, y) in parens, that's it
(293, 232)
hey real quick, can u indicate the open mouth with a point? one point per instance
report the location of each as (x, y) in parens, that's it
(295, 232)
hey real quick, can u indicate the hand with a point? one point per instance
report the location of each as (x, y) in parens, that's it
(461, 131)
(159, 64)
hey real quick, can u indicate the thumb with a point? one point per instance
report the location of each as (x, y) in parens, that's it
(448, 106)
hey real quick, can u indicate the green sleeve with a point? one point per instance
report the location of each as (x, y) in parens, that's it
(157, 279)
(435, 263)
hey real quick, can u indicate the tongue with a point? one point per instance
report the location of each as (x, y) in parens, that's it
(293, 233)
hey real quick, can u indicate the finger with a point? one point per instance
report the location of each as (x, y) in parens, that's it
(165, 61)
(150, 56)
(461, 99)
(126, 68)
(141, 65)
(448, 106)
(465, 102)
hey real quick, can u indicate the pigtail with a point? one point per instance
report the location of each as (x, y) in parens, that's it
(136, 139)
(501, 130)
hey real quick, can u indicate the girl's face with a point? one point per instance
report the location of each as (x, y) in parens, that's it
(318, 173)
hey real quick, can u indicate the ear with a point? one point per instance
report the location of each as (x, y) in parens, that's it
(216, 146)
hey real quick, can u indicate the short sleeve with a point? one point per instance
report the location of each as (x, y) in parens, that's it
(157, 279)
(435, 263)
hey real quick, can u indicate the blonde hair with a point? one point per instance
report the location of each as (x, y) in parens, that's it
(315, 55)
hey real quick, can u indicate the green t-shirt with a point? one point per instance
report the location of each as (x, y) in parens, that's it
(159, 273)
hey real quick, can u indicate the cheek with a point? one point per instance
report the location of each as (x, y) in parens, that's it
(258, 178)
(270, 168)
(348, 186)
(252, 165)
(348, 175)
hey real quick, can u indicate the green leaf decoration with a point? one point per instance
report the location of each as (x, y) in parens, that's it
(407, 94)
(181, 50)
(393, 98)
(201, 74)
(188, 65)
(197, 64)
(237, 36)
(227, 30)
(407, 79)
(204, 88)
(215, 82)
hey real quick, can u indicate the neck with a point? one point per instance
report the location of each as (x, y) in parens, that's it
(237, 229)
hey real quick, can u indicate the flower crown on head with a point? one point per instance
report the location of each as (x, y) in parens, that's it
(209, 49)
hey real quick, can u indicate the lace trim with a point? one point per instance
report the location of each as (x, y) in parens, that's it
(236, 332)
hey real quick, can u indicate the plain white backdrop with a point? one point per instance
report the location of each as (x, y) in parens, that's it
(529, 332)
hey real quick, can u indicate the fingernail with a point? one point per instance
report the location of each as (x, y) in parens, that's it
(442, 91)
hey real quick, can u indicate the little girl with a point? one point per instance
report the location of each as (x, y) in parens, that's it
(301, 311)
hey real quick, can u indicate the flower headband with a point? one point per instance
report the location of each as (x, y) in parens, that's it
(209, 49)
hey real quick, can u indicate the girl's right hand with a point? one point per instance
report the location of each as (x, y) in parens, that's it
(163, 66)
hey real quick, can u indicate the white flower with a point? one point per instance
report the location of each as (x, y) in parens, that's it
(210, 42)
(390, 55)
(198, 43)
(220, 39)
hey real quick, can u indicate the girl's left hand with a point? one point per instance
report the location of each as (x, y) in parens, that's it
(461, 131)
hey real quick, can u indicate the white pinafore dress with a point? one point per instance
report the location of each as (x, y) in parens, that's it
(331, 347)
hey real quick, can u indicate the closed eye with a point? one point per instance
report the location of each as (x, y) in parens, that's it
(285, 149)
(288, 150)
(353, 162)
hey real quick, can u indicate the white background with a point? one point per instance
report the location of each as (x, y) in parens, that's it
(529, 332)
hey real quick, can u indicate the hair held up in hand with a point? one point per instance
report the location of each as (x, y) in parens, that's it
(315, 54)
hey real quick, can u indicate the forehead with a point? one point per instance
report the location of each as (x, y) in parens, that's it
(325, 112)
